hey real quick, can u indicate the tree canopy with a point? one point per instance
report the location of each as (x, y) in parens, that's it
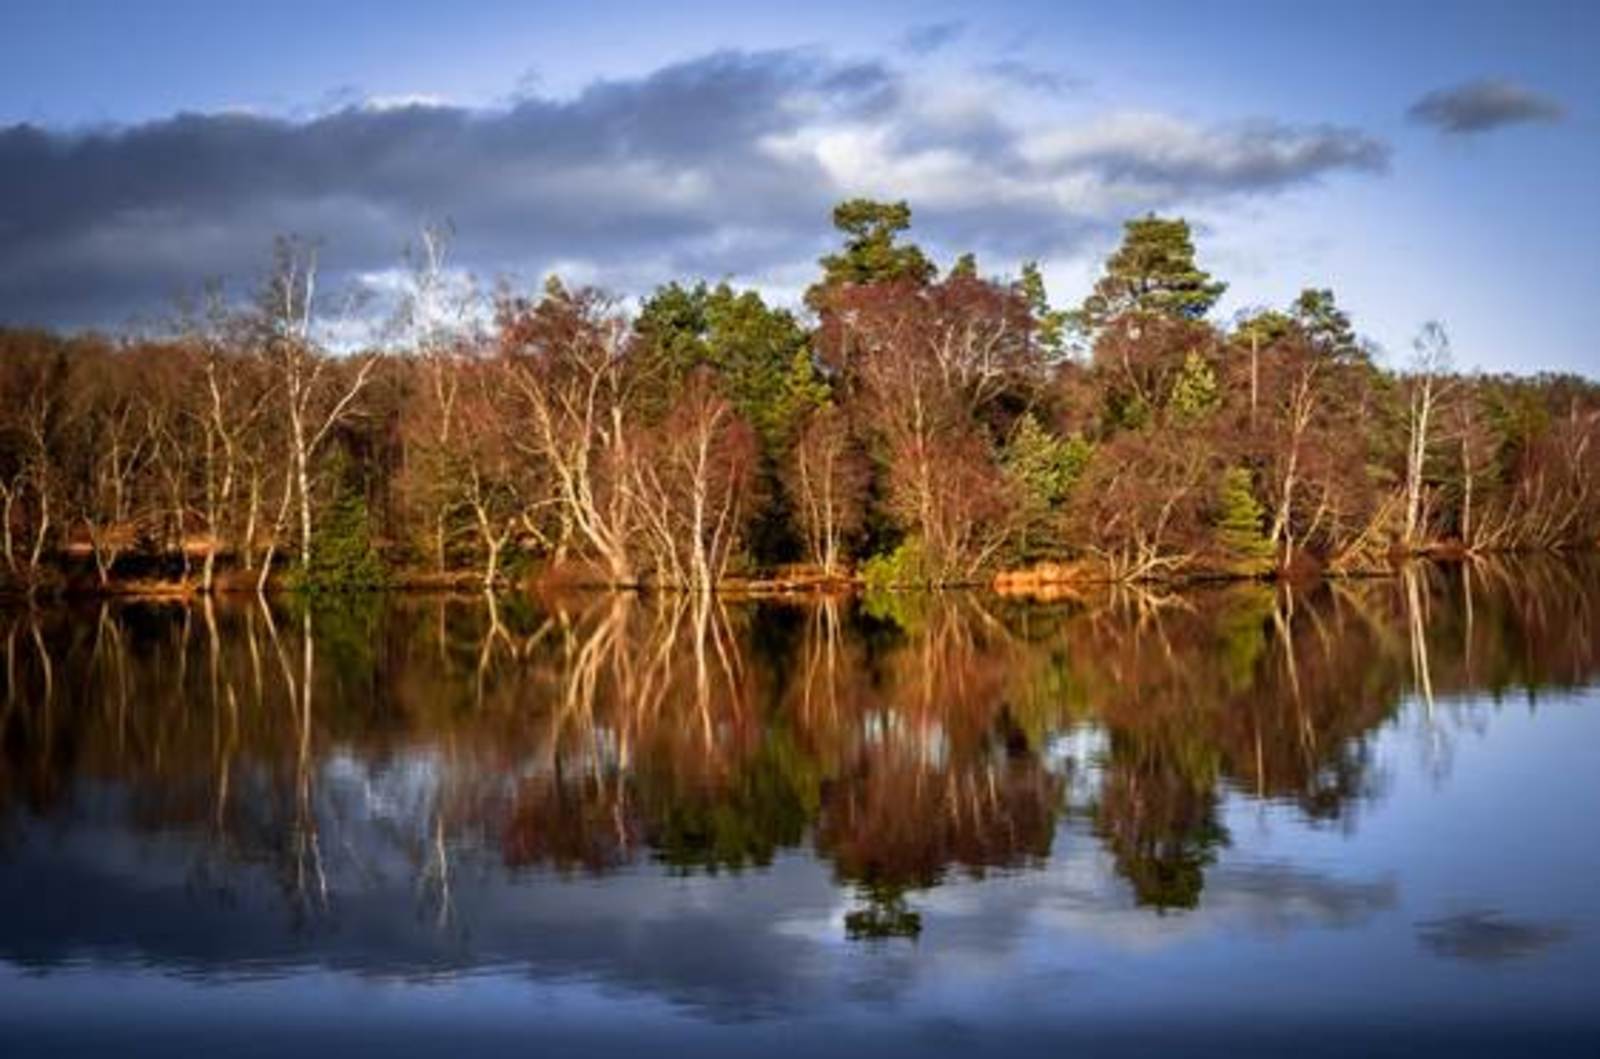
(872, 252)
(902, 428)
(1153, 271)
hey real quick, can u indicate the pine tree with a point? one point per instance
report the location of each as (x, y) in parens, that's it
(1050, 325)
(1043, 468)
(1195, 392)
(343, 557)
(871, 254)
(1239, 522)
(1324, 323)
(1154, 271)
(759, 354)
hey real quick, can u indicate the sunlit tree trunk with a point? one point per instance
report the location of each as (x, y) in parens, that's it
(1433, 357)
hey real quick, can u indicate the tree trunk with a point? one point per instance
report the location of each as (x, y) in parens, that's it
(302, 475)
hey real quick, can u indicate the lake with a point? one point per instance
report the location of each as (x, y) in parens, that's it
(1351, 818)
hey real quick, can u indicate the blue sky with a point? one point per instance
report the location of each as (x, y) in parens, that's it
(626, 142)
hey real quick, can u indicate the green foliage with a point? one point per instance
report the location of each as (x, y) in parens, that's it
(966, 267)
(907, 612)
(1241, 634)
(349, 629)
(1314, 315)
(1126, 411)
(1167, 869)
(885, 915)
(871, 253)
(1239, 519)
(1042, 468)
(1051, 326)
(1195, 394)
(905, 567)
(343, 558)
(761, 355)
(1264, 328)
(1323, 322)
(1154, 271)
(803, 391)
(1043, 465)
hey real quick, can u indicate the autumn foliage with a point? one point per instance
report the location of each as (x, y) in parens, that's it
(919, 428)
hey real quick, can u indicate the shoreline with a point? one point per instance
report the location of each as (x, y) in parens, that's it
(1044, 579)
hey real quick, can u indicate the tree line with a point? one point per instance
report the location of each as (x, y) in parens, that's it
(909, 425)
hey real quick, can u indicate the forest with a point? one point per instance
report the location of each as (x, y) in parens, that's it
(908, 426)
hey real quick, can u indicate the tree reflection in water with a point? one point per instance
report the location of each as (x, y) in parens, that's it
(900, 738)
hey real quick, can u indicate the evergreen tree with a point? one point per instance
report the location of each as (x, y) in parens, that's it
(761, 356)
(343, 557)
(1043, 468)
(1154, 271)
(871, 253)
(1195, 392)
(1239, 520)
(1264, 328)
(1323, 322)
(1044, 465)
(1050, 324)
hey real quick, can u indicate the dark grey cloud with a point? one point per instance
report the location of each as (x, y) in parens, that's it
(1488, 937)
(1483, 105)
(929, 38)
(121, 216)
(1158, 152)
(725, 165)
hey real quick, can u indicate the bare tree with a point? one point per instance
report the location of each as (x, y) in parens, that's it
(1427, 383)
(827, 478)
(315, 398)
(689, 485)
(438, 321)
(565, 360)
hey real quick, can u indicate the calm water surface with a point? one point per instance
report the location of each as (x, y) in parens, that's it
(1355, 819)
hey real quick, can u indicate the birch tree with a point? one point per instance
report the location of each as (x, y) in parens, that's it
(1426, 385)
(564, 358)
(314, 398)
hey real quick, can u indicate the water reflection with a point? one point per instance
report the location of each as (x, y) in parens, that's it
(242, 786)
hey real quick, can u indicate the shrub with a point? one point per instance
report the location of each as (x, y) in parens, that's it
(905, 567)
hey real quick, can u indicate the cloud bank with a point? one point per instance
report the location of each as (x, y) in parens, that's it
(1482, 106)
(724, 165)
